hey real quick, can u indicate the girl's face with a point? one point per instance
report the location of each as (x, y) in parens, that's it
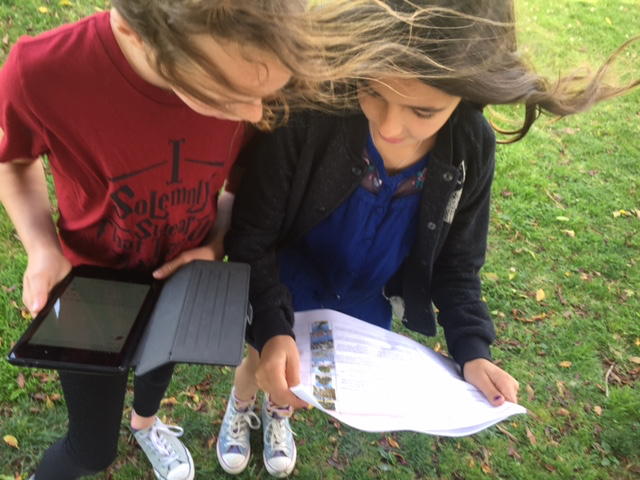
(405, 115)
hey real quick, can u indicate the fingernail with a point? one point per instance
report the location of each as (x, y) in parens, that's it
(497, 398)
(35, 306)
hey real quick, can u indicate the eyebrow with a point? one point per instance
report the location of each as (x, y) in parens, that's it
(431, 110)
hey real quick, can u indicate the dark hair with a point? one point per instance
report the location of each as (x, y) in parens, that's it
(466, 48)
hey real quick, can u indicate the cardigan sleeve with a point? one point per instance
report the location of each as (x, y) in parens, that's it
(456, 285)
(258, 214)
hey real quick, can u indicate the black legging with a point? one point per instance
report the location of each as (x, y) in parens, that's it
(95, 404)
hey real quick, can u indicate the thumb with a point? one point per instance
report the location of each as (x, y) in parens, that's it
(35, 295)
(169, 268)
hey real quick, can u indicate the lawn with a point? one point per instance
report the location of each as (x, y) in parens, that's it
(562, 281)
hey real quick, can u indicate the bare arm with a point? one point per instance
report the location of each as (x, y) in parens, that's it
(23, 192)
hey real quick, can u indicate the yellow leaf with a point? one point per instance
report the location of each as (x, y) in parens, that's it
(598, 410)
(43, 9)
(638, 342)
(565, 364)
(540, 295)
(616, 214)
(437, 348)
(608, 20)
(392, 442)
(635, 360)
(491, 276)
(65, 3)
(570, 233)
(11, 441)
(196, 398)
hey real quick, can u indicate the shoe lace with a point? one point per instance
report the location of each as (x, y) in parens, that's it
(277, 430)
(238, 424)
(156, 437)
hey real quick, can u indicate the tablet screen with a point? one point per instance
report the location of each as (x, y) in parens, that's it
(92, 314)
(92, 322)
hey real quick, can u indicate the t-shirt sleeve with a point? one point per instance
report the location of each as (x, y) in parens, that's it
(18, 121)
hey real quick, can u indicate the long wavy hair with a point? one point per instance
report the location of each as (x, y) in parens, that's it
(467, 48)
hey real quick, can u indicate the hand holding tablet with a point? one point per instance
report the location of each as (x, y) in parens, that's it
(96, 317)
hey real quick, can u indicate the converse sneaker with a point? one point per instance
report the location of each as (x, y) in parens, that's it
(279, 448)
(169, 457)
(233, 441)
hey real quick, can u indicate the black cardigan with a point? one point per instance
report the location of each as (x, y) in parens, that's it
(301, 173)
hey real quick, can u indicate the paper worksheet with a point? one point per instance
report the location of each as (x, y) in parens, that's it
(376, 380)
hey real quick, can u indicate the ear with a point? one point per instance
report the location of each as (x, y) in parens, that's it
(123, 30)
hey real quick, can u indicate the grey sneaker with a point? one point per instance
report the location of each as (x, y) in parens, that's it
(279, 447)
(169, 457)
(233, 446)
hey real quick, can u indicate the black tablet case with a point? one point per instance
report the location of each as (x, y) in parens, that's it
(200, 317)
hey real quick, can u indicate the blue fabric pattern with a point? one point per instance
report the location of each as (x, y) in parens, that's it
(344, 262)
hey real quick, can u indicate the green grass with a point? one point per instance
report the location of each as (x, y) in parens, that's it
(556, 227)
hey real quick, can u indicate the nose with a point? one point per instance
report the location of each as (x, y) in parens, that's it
(390, 122)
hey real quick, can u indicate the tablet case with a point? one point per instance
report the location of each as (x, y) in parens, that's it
(200, 317)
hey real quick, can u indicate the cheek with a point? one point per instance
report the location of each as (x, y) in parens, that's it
(370, 108)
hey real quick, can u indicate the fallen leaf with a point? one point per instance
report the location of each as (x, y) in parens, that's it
(43, 9)
(64, 3)
(392, 442)
(530, 393)
(491, 276)
(562, 219)
(569, 233)
(530, 436)
(598, 410)
(20, 380)
(565, 364)
(11, 441)
(635, 360)
(608, 20)
(563, 412)
(540, 295)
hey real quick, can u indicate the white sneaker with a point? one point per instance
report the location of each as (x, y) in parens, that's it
(169, 457)
(279, 447)
(233, 446)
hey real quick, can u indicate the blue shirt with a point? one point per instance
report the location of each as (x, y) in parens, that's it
(344, 262)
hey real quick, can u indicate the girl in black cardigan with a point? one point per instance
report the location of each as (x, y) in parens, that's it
(389, 202)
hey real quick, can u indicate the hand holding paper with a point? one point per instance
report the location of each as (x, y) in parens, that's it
(376, 380)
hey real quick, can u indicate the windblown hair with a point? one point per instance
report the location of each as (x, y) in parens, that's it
(466, 48)
(277, 27)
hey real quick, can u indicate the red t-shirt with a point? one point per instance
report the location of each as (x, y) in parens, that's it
(136, 171)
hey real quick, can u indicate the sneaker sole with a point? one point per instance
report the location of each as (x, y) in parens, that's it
(233, 470)
(288, 471)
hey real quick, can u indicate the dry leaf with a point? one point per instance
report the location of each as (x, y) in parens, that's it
(635, 360)
(570, 233)
(565, 364)
(20, 380)
(530, 393)
(540, 295)
(393, 443)
(11, 441)
(530, 436)
(43, 9)
(598, 410)
(491, 276)
(65, 3)
(608, 20)
(563, 412)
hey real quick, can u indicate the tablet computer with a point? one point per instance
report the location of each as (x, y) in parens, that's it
(92, 322)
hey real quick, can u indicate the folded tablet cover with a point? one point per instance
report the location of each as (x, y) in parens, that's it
(200, 317)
